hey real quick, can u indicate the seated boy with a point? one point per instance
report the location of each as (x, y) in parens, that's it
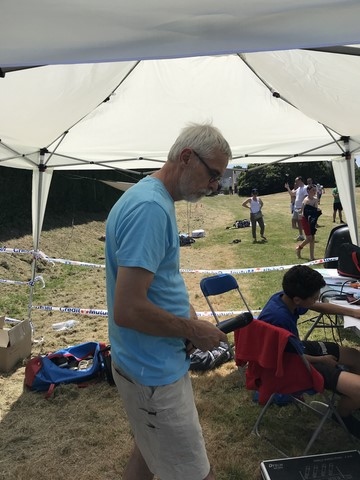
(301, 290)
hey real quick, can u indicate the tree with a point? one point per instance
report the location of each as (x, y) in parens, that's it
(270, 178)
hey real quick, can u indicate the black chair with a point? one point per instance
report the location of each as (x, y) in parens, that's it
(338, 235)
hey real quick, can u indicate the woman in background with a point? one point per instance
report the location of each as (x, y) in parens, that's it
(309, 215)
(255, 204)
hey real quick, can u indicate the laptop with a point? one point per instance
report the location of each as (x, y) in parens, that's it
(327, 466)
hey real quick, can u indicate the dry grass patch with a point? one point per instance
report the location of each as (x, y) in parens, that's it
(82, 432)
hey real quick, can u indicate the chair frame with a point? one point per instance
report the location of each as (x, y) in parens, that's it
(217, 285)
(298, 401)
(325, 321)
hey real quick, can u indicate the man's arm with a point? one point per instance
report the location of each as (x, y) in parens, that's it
(333, 309)
(133, 309)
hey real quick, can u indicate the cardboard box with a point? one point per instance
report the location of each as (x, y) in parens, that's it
(15, 343)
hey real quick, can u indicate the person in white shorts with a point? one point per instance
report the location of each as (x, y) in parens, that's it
(300, 194)
(152, 326)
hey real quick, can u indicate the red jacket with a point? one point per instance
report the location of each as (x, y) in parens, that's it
(270, 368)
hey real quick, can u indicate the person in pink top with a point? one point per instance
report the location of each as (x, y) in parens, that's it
(309, 215)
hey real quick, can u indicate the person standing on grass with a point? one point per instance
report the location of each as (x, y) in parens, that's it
(152, 326)
(300, 194)
(337, 207)
(301, 289)
(292, 193)
(319, 192)
(255, 204)
(309, 215)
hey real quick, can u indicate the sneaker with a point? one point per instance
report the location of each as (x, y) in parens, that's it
(300, 238)
(255, 241)
(264, 238)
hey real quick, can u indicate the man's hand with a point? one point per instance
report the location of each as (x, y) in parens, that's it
(325, 359)
(205, 335)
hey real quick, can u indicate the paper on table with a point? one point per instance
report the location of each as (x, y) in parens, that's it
(348, 321)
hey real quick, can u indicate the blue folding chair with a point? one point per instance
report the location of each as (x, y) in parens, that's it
(217, 285)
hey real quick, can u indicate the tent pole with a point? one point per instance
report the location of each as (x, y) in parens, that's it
(36, 231)
(344, 170)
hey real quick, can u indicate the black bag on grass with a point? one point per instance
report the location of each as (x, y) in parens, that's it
(201, 361)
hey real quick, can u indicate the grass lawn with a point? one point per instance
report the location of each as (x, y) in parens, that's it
(84, 432)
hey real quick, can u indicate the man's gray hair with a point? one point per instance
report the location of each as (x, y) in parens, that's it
(203, 138)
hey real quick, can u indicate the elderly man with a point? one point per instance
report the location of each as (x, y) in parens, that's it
(152, 326)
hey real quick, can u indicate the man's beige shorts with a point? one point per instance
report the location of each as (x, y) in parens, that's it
(165, 424)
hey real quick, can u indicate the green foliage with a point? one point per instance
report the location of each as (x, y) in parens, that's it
(270, 178)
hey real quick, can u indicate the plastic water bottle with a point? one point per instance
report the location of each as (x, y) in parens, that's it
(64, 325)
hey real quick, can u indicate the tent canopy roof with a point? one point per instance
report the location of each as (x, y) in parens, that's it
(73, 31)
(92, 116)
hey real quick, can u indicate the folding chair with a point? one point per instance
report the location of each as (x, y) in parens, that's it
(217, 285)
(326, 321)
(276, 365)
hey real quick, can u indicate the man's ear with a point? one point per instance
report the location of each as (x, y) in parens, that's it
(297, 300)
(185, 155)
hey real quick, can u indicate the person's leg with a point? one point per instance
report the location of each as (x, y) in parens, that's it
(349, 386)
(340, 214)
(334, 213)
(166, 428)
(350, 357)
(136, 468)
(262, 227)
(300, 228)
(302, 245)
(308, 237)
(312, 247)
(253, 227)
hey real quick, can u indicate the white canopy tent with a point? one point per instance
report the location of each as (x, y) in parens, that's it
(148, 102)
(40, 32)
(126, 115)
(40, 105)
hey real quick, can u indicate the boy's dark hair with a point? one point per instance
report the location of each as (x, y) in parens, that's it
(302, 281)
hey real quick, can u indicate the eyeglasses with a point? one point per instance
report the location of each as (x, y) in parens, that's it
(214, 175)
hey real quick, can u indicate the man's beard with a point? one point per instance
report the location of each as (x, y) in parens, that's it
(188, 194)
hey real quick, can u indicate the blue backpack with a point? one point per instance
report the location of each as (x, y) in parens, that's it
(77, 364)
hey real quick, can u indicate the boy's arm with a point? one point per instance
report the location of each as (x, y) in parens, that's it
(333, 309)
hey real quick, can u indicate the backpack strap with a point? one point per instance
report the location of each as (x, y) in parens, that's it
(50, 391)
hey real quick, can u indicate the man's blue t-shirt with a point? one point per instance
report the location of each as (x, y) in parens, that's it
(277, 313)
(141, 231)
